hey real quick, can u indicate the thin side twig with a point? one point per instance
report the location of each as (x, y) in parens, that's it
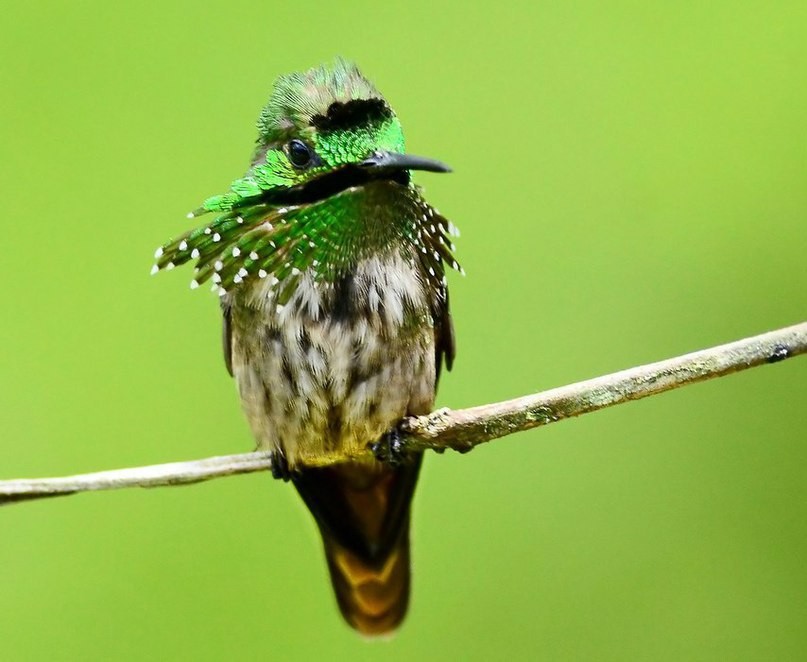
(464, 428)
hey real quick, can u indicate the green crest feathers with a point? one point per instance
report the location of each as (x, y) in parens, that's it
(299, 97)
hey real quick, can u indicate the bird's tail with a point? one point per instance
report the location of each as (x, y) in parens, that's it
(363, 511)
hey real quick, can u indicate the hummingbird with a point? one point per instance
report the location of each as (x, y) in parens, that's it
(330, 268)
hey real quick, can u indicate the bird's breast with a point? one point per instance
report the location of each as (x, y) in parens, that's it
(339, 364)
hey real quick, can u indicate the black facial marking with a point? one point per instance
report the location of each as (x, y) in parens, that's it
(356, 112)
(332, 183)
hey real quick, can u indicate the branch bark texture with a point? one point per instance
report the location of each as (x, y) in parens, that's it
(462, 429)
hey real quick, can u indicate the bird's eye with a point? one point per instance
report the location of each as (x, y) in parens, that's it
(300, 154)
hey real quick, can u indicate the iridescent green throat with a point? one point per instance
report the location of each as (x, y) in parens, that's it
(328, 238)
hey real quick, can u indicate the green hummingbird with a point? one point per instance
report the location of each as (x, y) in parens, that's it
(330, 267)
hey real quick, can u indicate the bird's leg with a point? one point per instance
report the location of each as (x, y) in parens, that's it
(390, 449)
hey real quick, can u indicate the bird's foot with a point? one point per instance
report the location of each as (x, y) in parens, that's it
(390, 449)
(280, 467)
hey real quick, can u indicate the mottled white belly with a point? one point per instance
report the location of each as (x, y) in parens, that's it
(315, 384)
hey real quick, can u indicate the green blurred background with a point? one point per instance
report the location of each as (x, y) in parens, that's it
(630, 179)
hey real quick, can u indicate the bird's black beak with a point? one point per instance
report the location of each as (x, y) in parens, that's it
(396, 161)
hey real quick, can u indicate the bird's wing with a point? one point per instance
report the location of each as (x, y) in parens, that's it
(227, 338)
(444, 342)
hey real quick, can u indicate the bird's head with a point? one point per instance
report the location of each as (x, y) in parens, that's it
(321, 132)
(329, 156)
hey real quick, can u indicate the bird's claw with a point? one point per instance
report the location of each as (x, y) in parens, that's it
(280, 467)
(390, 449)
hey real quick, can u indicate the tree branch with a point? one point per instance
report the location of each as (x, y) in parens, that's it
(465, 428)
